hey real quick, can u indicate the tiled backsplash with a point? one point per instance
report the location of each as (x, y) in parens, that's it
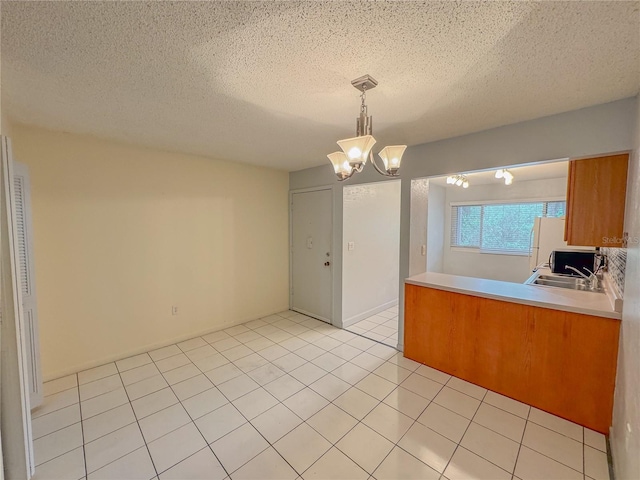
(617, 258)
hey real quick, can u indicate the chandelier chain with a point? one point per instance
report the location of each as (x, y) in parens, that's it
(363, 98)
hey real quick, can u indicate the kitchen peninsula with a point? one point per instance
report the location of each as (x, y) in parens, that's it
(552, 348)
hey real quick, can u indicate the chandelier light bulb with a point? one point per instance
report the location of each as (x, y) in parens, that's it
(465, 184)
(341, 165)
(499, 173)
(392, 158)
(459, 181)
(355, 153)
(357, 149)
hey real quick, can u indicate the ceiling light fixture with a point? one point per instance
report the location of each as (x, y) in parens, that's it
(458, 180)
(357, 150)
(506, 174)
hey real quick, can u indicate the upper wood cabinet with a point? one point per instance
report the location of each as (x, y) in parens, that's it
(596, 193)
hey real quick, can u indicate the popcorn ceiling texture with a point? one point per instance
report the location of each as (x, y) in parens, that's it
(268, 83)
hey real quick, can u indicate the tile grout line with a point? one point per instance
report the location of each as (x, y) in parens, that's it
(84, 452)
(141, 434)
(521, 440)
(459, 444)
(547, 456)
(62, 428)
(427, 427)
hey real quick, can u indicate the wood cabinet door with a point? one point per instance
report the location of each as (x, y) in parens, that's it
(596, 196)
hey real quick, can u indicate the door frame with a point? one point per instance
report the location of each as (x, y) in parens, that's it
(332, 246)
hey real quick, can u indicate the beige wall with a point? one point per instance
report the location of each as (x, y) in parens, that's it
(124, 233)
(5, 125)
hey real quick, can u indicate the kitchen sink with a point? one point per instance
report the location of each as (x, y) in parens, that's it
(571, 283)
(563, 279)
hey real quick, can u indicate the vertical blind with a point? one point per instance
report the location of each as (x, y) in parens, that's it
(499, 227)
(25, 283)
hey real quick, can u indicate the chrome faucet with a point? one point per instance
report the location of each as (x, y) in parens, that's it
(592, 278)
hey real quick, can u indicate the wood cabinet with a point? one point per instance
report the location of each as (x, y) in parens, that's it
(560, 362)
(596, 193)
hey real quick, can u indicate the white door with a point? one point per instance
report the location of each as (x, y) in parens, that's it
(24, 233)
(311, 261)
(18, 455)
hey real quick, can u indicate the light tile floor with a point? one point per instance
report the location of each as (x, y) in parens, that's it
(285, 397)
(381, 327)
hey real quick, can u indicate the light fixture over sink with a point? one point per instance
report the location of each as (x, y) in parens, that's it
(357, 150)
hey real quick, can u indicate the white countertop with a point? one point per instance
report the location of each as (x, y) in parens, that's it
(588, 303)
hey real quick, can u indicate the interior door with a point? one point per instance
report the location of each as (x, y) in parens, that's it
(311, 229)
(24, 234)
(18, 454)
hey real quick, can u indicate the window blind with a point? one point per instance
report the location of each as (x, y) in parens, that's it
(499, 227)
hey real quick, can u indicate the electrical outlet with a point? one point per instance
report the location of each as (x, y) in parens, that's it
(351, 245)
(423, 250)
(174, 310)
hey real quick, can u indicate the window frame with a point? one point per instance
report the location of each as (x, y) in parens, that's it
(482, 203)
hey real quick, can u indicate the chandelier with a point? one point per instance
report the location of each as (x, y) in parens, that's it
(357, 150)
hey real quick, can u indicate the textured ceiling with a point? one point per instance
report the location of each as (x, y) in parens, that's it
(268, 83)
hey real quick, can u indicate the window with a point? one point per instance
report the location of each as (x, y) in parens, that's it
(499, 227)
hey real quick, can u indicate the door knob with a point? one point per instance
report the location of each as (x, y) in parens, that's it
(326, 264)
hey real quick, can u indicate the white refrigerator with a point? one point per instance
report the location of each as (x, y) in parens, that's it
(547, 235)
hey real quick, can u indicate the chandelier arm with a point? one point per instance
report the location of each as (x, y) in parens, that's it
(380, 171)
(342, 179)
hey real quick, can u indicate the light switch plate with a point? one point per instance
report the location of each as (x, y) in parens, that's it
(423, 250)
(309, 243)
(351, 246)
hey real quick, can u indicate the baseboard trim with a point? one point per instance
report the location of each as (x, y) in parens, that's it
(361, 316)
(148, 348)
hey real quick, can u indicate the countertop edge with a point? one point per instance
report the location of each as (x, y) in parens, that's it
(515, 299)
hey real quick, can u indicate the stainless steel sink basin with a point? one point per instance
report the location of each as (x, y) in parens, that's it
(572, 283)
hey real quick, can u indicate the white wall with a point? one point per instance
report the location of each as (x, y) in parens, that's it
(436, 218)
(625, 433)
(370, 271)
(122, 234)
(507, 268)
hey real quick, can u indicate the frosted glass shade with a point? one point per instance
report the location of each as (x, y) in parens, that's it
(340, 164)
(357, 149)
(392, 157)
